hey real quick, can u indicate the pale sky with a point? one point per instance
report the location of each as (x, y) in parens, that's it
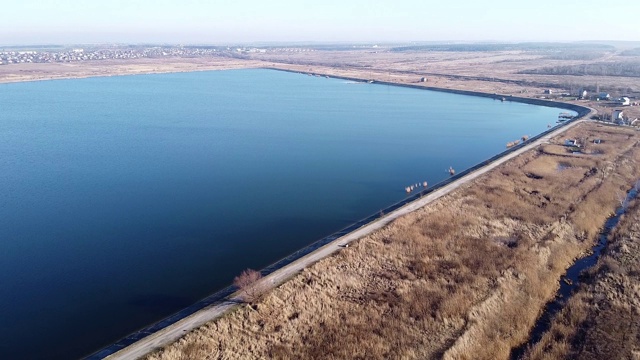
(243, 21)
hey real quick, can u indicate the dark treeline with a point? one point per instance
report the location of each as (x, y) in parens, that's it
(631, 52)
(576, 55)
(630, 69)
(555, 47)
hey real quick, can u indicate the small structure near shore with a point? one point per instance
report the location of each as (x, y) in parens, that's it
(617, 116)
(513, 143)
(624, 101)
(572, 142)
(415, 186)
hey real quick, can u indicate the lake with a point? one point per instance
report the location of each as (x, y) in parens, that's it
(124, 199)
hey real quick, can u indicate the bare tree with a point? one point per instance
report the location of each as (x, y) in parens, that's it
(248, 282)
(605, 170)
(584, 144)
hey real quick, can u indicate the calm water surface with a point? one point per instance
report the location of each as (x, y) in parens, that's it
(124, 199)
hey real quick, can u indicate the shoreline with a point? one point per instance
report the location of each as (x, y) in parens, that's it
(133, 68)
(109, 68)
(581, 110)
(216, 305)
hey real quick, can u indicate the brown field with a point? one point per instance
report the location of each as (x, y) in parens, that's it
(483, 71)
(462, 278)
(488, 71)
(50, 71)
(602, 319)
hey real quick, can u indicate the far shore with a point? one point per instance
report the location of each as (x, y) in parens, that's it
(58, 71)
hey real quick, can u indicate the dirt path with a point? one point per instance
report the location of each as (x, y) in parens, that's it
(173, 332)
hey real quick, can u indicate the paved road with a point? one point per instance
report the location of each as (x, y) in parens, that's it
(173, 332)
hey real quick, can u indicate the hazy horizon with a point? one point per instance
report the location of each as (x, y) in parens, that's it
(364, 44)
(287, 21)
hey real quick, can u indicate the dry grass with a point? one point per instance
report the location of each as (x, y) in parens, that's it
(488, 71)
(46, 71)
(463, 278)
(602, 320)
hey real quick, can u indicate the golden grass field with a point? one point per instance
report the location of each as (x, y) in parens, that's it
(462, 278)
(602, 319)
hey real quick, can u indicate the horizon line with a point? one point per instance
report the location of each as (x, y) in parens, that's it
(316, 42)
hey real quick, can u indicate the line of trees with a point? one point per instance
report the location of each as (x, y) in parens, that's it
(627, 69)
(527, 46)
(631, 52)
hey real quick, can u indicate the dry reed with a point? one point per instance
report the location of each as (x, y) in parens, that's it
(465, 277)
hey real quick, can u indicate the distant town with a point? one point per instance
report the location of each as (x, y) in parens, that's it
(57, 55)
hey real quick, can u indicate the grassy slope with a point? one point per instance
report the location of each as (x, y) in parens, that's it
(462, 278)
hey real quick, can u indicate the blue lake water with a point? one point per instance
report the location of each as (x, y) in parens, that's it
(124, 199)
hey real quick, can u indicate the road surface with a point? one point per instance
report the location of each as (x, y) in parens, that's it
(173, 332)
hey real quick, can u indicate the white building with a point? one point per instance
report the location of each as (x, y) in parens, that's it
(624, 101)
(617, 116)
(583, 94)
